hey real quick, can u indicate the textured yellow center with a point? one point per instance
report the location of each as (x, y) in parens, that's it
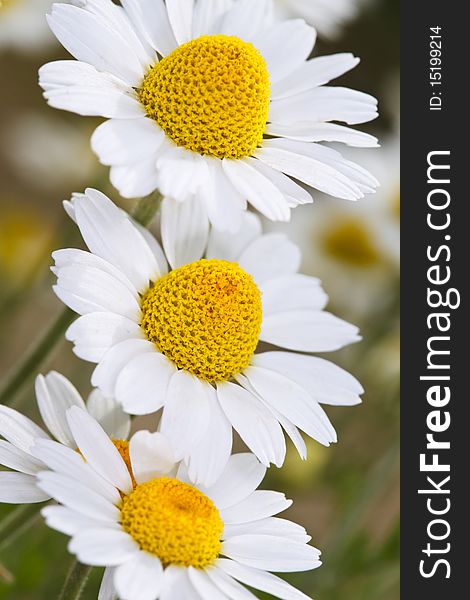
(205, 317)
(349, 242)
(210, 96)
(174, 521)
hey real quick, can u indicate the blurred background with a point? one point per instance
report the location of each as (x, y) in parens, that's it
(346, 496)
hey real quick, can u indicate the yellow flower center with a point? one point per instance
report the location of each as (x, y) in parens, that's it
(211, 96)
(173, 521)
(123, 449)
(349, 242)
(205, 317)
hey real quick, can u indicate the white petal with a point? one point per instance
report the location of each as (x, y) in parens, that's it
(180, 13)
(308, 331)
(104, 48)
(151, 456)
(325, 381)
(247, 19)
(293, 193)
(271, 553)
(325, 104)
(269, 526)
(228, 585)
(256, 425)
(204, 585)
(121, 142)
(224, 204)
(186, 413)
(210, 455)
(98, 449)
(323, 132)
(151, 19)
(229, 246)
(142, 385)
(88, 289)
(300, 408)
(77, 496)
(95, 333)
(109, 414)
(19, 460)
(107, 591)
(269, 256)
(68, 462)
(18, 429)
(55, 395)
(184, 228)
(141, 577)
(311, 74)
(261, 580)
(286, 46)
(240, 479)
(292, 292)
(135, 180)
(260, 505)
(19, 488)
(116, 358)
(181, 172)
(207, 15)
(103, 547)
(109, 234)
(71, 522)
(176, 585)
(78, 87)
(257, 189)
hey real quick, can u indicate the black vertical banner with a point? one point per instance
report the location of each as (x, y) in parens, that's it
(436, 322)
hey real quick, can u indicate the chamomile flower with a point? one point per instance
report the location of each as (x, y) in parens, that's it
(23, 25)
(55, 395)
(158, 533)
(187, 340)
(202, 104)
(327, 16)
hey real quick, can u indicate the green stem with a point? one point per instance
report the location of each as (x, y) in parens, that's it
(34, 360)
(76, 581)
(147, 208)
(19, 521)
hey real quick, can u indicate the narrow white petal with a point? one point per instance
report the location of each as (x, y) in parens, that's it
(240, 479)
(71, 522)
(254, 422)
(20, 488)
(142, 385)
(247, 19)
(293, 192)
(107, 590)
(185, 228)
(229, 586)
(269, 526)
(18, 429)
(180, 13)
(141, 577)
(257, 189)
(259, 505)
(151, 456)
(98, 449)
(204, 585)
(109, 414)
(55, 395)
(176, 585)
(292, 292)
(186, 413)
(323, 132)
(269, 256)
(207, 16)
(271, 553)
(150, 18)
(210, 455)
(261, 580)
(19, 460)
(229, 246)
(103, 547)
(286, 46)
(181, 173)
(135, 180)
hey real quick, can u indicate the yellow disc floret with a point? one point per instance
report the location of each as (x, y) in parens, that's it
(205, 317)
(210, 96)
(174, 521)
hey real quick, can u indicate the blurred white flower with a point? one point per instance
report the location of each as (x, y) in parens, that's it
(23, 25)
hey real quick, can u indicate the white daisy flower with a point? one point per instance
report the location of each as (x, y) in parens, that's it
(186, 340)
(158, 533)
(55, 395)
(23, 25)
(327, 16)
(221, 107)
